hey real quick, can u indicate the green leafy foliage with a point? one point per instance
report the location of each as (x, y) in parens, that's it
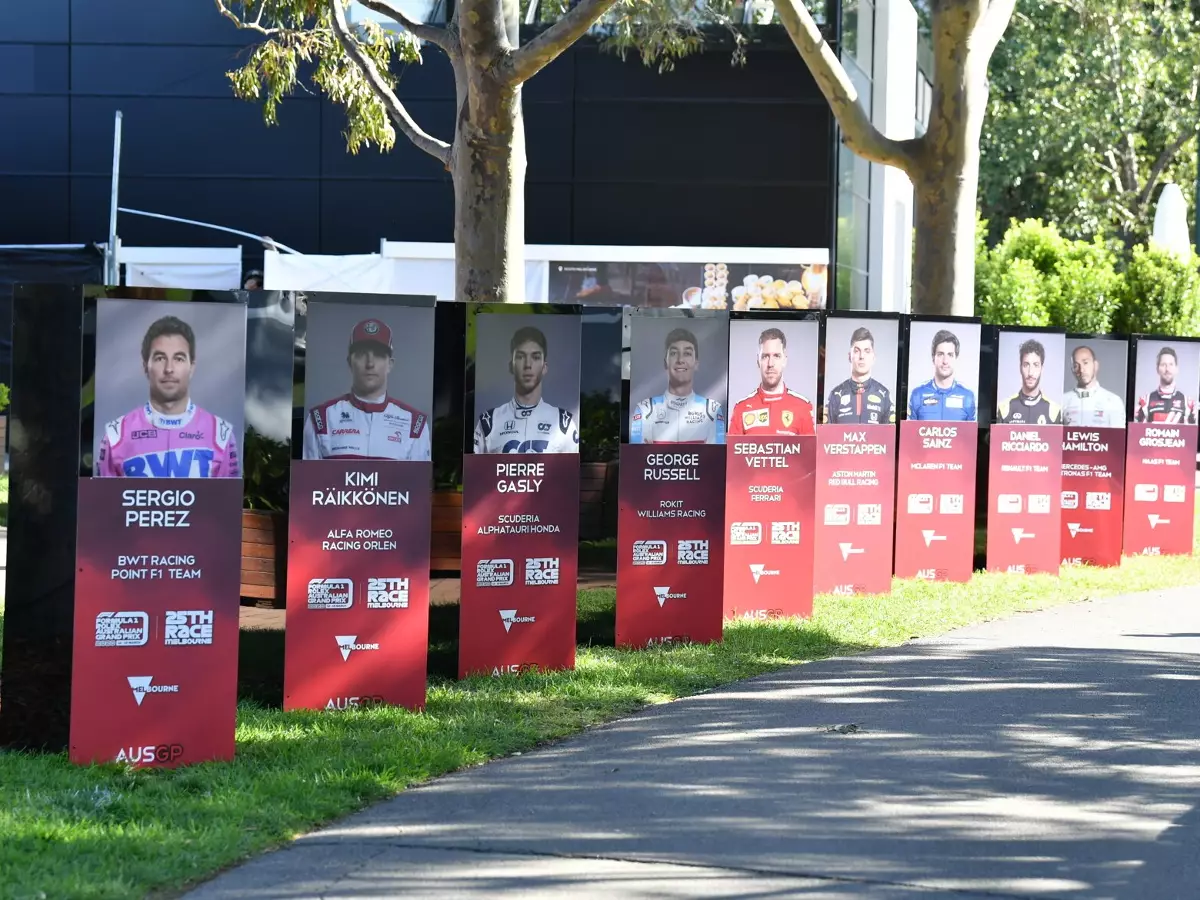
(1092, 106)
(299, 45)
(599, 427)
(1035, 276)
(5, 395)
(266, 467)
(1160, 294)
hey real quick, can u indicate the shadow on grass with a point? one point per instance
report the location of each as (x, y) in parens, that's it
(755, 649)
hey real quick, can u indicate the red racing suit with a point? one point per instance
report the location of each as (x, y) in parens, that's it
(767, 414)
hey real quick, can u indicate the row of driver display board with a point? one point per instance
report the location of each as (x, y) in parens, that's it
(765, 458)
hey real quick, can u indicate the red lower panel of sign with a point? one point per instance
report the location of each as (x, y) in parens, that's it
(855, 508)
(1160, 489)
(670, 544)
(769, 483)
(154, 672)
(520, 563)
(358, 584)
(935, 511)
(1024, 492)
(1093, 484)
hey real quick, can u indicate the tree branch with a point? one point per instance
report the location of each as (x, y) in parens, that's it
(1160, 165)
(242, 24)
(859, 133)
(995, 22)
(439, 37)
(526, 61)
(438, 149)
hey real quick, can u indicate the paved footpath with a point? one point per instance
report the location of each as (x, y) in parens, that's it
(1052, 754)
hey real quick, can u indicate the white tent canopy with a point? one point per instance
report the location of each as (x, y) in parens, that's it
(197, 268)
(410, 267)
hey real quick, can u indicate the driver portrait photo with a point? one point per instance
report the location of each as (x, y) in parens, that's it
(1166, 382)
(949, 351)
(526, 422)
(1024, 358)
(865, 398)
(169, 434)
(777, 401)
(1095, 385)
(681, 411)
(358, 405)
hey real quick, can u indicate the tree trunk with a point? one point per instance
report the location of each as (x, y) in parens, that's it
(946, 175)
(944, 255)
(489, 199)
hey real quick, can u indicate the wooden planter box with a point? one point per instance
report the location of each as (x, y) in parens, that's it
(445, 544)
(264, 557)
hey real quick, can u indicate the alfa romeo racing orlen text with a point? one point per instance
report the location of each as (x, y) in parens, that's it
(672, 467)
(360, 489)
(359, 539)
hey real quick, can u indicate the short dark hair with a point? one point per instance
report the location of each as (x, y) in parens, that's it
(525, 335)
(945, 337)
(165, 327)
(773, 334)
(862, 334)
(1166, 351)
(681, 334)
(1032, 346)
(1090, 351)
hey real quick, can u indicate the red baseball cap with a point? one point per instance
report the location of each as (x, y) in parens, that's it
(373, 331)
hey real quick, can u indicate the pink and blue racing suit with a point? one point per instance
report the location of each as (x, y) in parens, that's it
(145, 443)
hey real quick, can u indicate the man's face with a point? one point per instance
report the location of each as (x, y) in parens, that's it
(862, 358)
(944, 359)
(1084, 367)
(681, 363)
(1031, 372)
(771, 362)
(370, 366)
(528, 366)
(1167, 367)
(169, 368)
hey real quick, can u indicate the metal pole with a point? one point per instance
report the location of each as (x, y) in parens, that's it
(113, 275)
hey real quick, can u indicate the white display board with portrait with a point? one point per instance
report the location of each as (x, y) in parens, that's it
(861, 366)
(368, 381)
(773, 376)
(943, 371)
(1028, 388)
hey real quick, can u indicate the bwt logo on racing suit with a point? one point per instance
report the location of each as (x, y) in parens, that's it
(122, 629)
(387, 593)
(148, 444)
(150, 753)
(541, 570)
(187, 627)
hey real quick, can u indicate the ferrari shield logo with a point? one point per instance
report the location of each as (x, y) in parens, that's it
(787, 418)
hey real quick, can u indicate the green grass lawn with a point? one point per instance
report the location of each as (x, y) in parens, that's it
(4, 500)
(110, 831)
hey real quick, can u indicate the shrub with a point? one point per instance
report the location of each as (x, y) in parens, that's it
(1035, 276)
(1160, 294)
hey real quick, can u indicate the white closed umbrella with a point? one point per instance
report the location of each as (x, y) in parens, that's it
(1170, 232)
